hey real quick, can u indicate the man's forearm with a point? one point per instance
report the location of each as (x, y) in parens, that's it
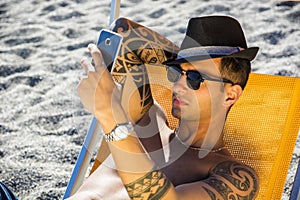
(138, 172)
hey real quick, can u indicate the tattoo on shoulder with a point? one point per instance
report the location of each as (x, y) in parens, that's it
(153, 185)
(231, 180)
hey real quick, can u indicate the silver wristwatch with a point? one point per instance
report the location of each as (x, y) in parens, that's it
(120, 132)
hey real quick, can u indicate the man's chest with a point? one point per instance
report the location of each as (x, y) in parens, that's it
(187, 168)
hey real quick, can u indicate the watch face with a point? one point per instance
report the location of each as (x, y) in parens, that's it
(121, 132)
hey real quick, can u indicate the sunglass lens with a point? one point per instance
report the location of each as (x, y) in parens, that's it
(173, 73)
(194, 80)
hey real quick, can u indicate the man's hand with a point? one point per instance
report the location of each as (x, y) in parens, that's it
(98, 92)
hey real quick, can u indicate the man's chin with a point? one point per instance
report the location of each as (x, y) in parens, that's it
(176, 113)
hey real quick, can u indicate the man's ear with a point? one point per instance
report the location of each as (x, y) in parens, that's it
(232, 94)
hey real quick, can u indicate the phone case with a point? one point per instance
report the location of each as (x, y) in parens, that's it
(109, 44)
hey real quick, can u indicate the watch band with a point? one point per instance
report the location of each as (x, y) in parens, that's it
(120, 132)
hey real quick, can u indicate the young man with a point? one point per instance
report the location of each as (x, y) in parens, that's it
(209, 75)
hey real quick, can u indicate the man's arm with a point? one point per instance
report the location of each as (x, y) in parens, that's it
(140, 46)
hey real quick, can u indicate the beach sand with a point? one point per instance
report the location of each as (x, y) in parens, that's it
(42, 122)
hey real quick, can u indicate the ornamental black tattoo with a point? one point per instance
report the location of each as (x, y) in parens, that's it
(231, 180)
(140, 46)
(153, 185)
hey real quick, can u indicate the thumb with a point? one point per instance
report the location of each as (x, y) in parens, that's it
(97, 58)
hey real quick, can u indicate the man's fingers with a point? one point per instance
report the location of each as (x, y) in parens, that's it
(87, 66)
(97, 57)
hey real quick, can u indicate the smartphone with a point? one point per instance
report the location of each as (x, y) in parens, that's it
(109, 44)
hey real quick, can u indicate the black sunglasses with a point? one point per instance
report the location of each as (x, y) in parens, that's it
(193, 77)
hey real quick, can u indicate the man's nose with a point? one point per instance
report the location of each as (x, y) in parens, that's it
(180, 85)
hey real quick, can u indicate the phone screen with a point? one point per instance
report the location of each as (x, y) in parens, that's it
(109, 44)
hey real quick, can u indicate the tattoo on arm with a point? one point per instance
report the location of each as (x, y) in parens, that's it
(140, 46)
(153, 185)
(231, 180)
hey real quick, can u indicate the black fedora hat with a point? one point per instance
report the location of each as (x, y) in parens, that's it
(213, 37)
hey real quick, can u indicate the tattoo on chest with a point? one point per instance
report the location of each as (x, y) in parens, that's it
(231, 180)
(140, 46)
(153, 185)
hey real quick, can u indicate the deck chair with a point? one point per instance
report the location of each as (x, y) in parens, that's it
(261, 129)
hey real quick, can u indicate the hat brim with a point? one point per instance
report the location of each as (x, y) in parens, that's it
(248, 54)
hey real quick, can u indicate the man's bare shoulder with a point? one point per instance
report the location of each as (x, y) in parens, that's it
(231, 180)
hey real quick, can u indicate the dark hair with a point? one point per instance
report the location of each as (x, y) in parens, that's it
(235, 69)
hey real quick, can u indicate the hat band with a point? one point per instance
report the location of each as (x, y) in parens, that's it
(208, 51)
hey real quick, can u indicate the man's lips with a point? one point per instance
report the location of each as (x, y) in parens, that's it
(179, 102)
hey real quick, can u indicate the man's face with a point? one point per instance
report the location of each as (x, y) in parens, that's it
(203, 103)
